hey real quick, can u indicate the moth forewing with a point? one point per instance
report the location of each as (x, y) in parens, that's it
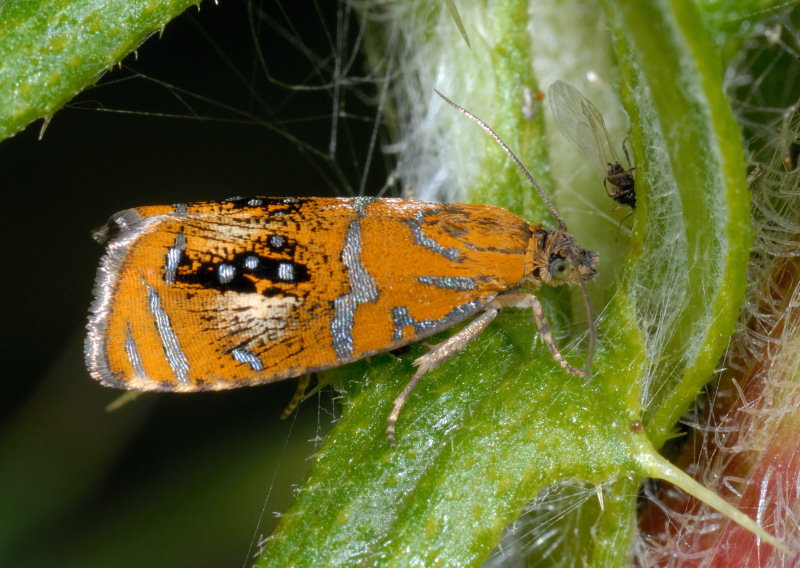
(217, 295)
(221, 294)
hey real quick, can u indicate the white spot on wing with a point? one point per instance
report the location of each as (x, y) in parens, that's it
(226, 273)
(286, 271)
(251, 262)
(249, 358)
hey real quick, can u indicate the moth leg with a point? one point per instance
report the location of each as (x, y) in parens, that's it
(302, 385)
(438, 355)
(531, 301)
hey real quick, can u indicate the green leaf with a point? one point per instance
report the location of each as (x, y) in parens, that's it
(486, 432)
(686, 271)
(730, 22)
(52, 50)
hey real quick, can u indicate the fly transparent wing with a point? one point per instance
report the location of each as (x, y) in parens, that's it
(583, 125)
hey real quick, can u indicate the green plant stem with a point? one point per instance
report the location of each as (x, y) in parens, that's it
(693, 236)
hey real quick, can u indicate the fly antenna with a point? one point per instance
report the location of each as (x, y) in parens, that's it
(562, 226)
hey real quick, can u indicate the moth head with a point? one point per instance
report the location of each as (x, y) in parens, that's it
(555, 258)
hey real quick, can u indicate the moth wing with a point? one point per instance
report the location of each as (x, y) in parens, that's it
(433, 266)
(214, 296)
(208, 299)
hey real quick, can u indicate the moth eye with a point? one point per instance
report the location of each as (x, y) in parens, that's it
(559, 268)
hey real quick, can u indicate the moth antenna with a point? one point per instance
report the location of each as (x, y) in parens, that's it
(562, 226)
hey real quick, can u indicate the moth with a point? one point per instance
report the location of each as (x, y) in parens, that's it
(581, 123)
(244, 291)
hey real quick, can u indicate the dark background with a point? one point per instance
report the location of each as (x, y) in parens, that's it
(168, 478)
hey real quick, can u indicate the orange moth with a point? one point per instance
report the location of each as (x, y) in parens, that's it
(244, 291)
